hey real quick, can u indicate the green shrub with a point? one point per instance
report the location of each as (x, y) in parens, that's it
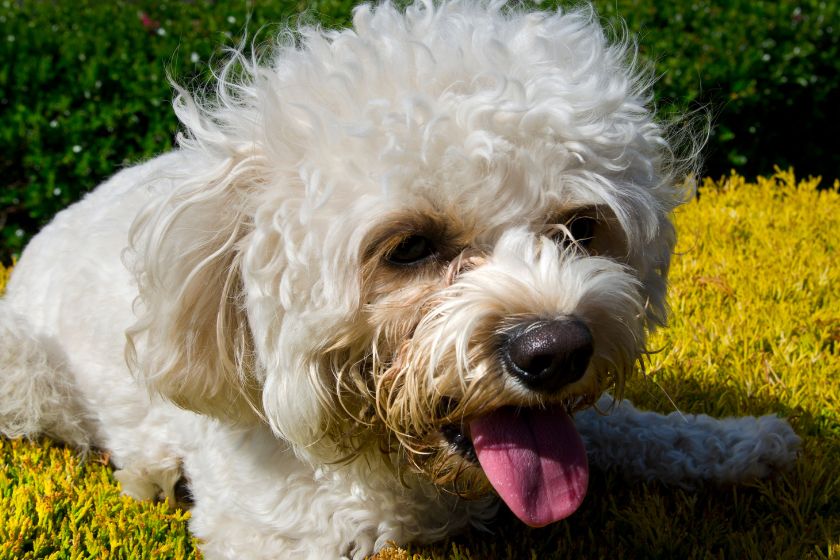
(83, 87)
(84, 90)
(769, 71)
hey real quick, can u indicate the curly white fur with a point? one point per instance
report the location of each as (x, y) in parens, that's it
(229, 312)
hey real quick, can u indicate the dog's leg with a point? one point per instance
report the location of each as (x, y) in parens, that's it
(685, 449)
(37, 395)
(153, 482)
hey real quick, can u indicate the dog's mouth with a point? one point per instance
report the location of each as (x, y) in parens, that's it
(533, 457)
(458, 437)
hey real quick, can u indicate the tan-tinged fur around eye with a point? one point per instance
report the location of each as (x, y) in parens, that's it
(608, 239)
(395, 380)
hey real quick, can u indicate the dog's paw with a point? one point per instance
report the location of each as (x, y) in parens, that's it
(685, 449)
(163, 483)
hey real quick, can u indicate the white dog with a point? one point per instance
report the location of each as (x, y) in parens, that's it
(369, 290)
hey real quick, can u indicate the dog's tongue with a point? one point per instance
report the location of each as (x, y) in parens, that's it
(535, 459)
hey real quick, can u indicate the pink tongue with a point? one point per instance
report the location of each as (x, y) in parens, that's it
(535, 460)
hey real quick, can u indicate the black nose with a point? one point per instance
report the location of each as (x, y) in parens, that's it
(547, 355)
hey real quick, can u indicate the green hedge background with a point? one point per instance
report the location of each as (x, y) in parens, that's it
(83, 87)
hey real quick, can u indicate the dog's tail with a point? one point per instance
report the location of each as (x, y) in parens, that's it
(37, 395)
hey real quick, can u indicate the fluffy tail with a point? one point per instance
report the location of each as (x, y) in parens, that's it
(686, 449)
(36, 388)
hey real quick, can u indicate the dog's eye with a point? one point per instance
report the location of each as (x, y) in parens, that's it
(582, 229)
(414, 249)
(578, 230)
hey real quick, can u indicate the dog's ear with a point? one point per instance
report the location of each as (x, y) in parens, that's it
(191, 341)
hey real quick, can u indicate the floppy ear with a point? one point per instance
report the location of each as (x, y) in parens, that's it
(191, 341)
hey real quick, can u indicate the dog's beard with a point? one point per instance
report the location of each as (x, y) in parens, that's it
(470, 431)
(427, 383)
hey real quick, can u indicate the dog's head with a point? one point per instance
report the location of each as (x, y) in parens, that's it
(435, 235)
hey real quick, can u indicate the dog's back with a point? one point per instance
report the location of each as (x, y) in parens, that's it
(55, 315)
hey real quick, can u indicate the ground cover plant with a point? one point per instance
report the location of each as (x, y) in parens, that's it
(83, 88)
(755, 329)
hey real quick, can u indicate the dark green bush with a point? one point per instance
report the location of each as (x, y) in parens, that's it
(84, 90)
(769, 72)
(83, 87)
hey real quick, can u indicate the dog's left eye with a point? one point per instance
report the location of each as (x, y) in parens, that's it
(582, 229)
(414, 249)
(578, 230)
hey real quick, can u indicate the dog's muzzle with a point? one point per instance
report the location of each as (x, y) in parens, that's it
(546, 356)
(534, 457)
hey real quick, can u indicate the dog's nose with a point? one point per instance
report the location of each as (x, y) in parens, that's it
(548, 355)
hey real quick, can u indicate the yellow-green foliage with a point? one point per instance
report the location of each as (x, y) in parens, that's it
(4, 277)
(53, 505)
(755, 329)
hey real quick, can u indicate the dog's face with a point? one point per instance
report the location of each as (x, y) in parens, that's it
(454, 232)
